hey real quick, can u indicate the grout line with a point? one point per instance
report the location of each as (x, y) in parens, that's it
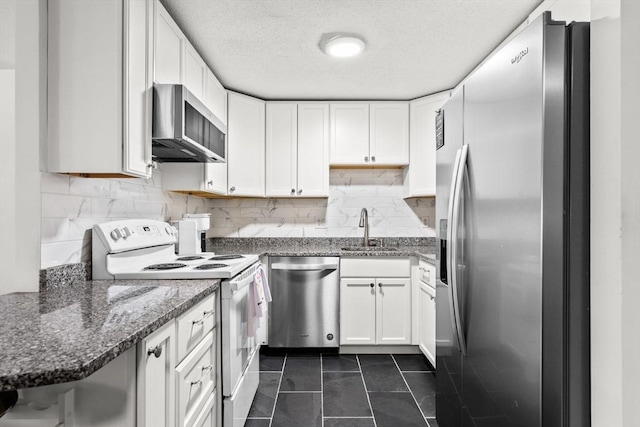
(348, 418)
(410, 391)
(275, 403)
(366, 391)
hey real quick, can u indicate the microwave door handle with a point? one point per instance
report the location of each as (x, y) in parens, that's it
(454, 226)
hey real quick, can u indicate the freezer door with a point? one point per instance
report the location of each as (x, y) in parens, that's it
(448, 354)
(505, 128)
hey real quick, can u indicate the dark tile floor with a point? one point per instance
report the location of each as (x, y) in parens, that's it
(332, 390)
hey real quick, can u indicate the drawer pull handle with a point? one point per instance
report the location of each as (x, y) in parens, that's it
(204, 369)
(205, 314)
(156, 351)
(371, 285)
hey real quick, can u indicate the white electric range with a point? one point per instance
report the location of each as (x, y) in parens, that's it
(145, 249)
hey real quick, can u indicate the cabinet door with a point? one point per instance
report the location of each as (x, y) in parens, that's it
(393, 311)
(389, 143)
(313, 150)
(349, 134)
(138, 85)
(216, 97)
(246, 148)
(427, 324)
(357, 311)
(156, 378)
(215, 174)
(168, 48)
(281, 150)
(422, 147)
(195, 72)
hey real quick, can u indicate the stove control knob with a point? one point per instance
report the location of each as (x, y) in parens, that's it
(116, 234)
(126, 232)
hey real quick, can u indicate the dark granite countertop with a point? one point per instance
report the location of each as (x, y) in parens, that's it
(282, 246)
(66, 334)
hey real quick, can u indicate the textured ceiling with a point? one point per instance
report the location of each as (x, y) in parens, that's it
(269, 48)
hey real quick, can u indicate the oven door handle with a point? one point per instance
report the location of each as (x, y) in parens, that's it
(236, 285)
(304, 267)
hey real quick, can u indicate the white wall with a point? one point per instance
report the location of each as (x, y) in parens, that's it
(350, 190)
(615, 218)
(22, 124)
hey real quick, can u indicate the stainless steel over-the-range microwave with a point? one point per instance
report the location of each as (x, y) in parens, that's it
(184, 130)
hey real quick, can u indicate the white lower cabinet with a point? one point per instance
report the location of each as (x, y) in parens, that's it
(156, 378)
(177, 371)
(377, 309)
(427, 311)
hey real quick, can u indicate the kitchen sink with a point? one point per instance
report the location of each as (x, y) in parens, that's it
(369, 248)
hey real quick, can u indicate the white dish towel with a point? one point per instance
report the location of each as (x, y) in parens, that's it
(259, 296)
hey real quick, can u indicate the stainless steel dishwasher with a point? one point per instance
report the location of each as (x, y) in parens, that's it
(304, 311)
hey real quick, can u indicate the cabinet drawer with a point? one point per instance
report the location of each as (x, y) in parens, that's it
(194, 325)
(207, 417)
(375, 267)
(195, 378)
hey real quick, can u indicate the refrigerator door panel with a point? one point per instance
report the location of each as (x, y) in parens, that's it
(502, 289)
(448, 355)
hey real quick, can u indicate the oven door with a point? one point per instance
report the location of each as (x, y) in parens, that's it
(238, 347)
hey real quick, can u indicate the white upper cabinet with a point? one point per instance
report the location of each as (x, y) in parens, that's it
(195, 72)
(216, 97)
(297, 147)
(168, 48)
(246, 146)
(421, 174)
(99, 87)
(389, 133)
(349, 134)
(313, 150)
(370, 134)
(215, 174)
(282, 150)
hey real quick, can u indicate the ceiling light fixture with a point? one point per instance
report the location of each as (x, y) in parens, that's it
(342, 46)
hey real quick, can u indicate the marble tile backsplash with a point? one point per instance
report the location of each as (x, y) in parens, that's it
(72, 205)
(378, 190)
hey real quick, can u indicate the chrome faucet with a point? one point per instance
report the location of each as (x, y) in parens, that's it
(364, 222)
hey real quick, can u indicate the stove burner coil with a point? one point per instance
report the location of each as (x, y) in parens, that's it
(166, 266)
(210, 266)
(189, 258)
(223, 257)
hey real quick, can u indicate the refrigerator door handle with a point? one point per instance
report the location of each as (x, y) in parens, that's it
(454, 223)
(449, 250)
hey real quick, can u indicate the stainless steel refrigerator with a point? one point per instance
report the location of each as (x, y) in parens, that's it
(512, 211)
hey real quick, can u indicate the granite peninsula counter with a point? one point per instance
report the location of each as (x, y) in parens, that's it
(67, 333)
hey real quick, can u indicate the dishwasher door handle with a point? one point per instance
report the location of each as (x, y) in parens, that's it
(304, 267)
